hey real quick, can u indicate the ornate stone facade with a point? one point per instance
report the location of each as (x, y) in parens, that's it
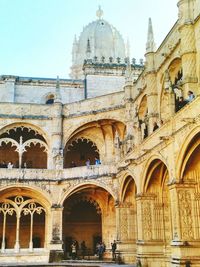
(144, 194)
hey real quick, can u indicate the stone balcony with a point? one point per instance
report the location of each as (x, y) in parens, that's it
(93, 171)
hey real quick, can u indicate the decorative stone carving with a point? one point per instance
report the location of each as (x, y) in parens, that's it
(187, 230)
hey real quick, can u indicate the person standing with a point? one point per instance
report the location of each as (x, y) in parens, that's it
(101, 251)
(88, 162)
(83, 249)
(191, 96)
(73, 248)
(114, 247)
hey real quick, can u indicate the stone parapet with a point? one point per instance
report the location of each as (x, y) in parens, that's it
(59, 175)
(100, 104)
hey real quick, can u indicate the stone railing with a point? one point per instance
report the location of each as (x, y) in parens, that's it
(93, 171)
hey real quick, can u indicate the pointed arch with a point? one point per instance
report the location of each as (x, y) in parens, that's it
(144, 176)
(182, 158)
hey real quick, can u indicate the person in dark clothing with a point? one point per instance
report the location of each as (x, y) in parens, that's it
(101, 250)
(83, 249)
(114, 247)
(181, 103)
(155, 126)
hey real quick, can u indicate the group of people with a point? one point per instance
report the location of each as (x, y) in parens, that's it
(100, 249)
(8, 165)
(96, 161)
(87, 163)
(181, 102)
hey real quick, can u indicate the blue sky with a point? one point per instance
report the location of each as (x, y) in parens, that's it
(36, 36)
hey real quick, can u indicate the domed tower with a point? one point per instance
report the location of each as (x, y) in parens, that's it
(98, 40)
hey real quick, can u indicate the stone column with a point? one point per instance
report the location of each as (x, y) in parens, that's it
(109, 144)
(148, 243)
(188, 46)
(129, 108)
(56, 249)
(129, 125)
(125, 237)
(183, 222)
(56, 157)
(151, 82)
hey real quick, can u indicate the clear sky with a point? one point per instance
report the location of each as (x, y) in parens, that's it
(36, 36)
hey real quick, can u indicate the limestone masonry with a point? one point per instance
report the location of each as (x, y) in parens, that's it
(110, 154)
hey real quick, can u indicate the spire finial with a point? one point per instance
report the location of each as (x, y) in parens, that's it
(127, 48)
(58, 96)
(88, 50)
(99, 13)
(150, 45)
(57, 82)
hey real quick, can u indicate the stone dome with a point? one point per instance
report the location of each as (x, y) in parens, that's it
(98, 39)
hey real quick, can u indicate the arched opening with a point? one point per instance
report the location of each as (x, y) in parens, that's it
(35, 157)
(79, 151)
(191, 165)
(129, 216)
(98, 139)
(188, 197)
(89, 215)
(158, 203)
(22, 221)
(8, 154)
(142, 110)
(142, 115)
(23, 147)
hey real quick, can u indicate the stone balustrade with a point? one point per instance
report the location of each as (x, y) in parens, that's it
(93, 171)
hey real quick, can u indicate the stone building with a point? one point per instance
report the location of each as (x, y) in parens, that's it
(146, 192)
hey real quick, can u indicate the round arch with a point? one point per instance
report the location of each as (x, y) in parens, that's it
(82, 185)
(72, 132)
(30, 126)
(88, 214)
(33, 217)
(34, 192)
(180, 160)
(100, 132)
(79, 150)
(28, 145)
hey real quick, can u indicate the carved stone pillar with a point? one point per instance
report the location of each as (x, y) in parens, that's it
(149, 247)
(129, 125)
(182, 212)
(56, 157)
(126, 245)
(56, 250)
(188, 45)
(183, 221)
(152, 95)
